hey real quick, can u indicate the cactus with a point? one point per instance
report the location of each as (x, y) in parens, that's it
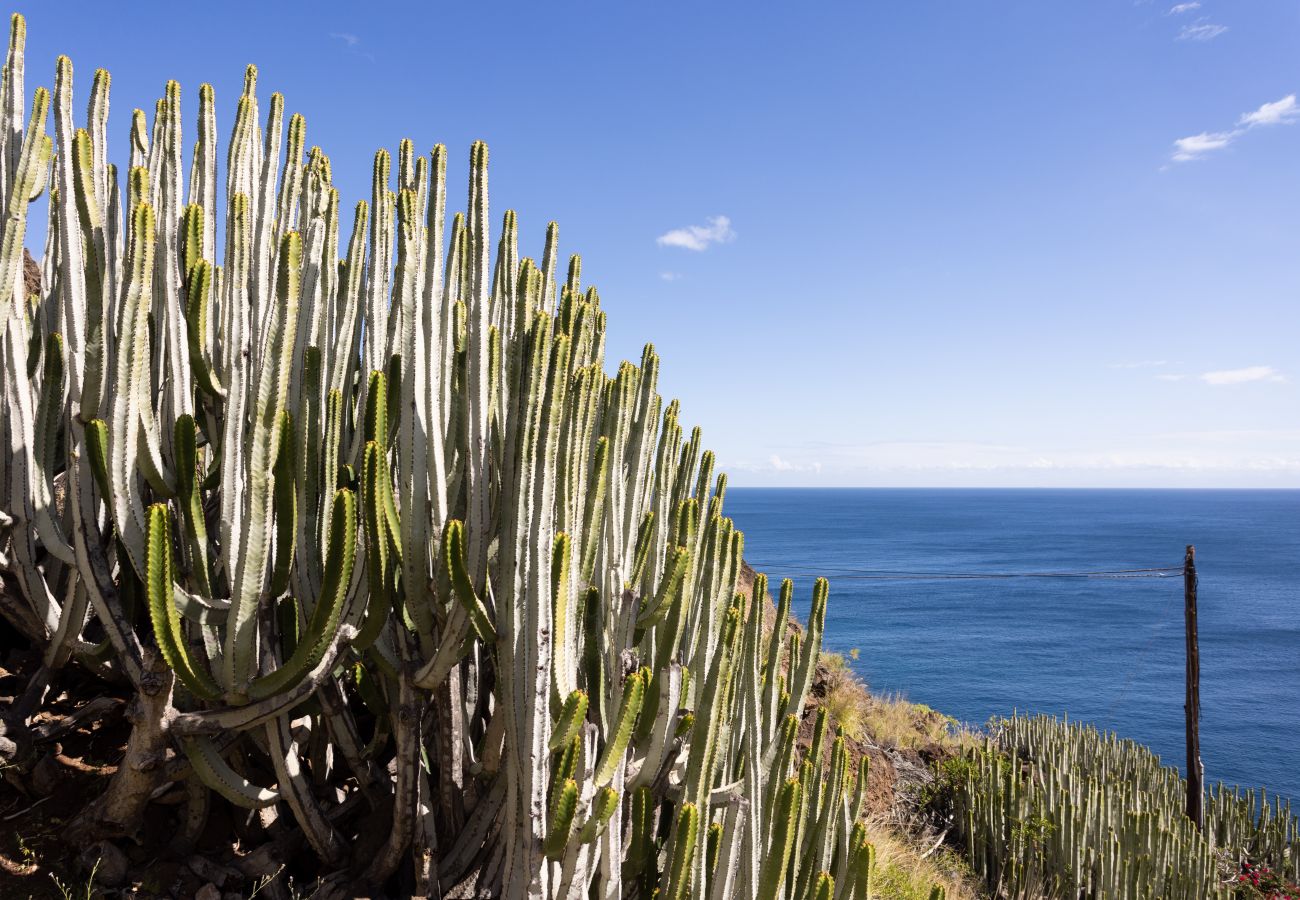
(364, 523)
(1047, 802)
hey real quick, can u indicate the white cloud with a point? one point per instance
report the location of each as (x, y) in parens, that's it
(1140, 364)
(670, 276)
(1179, 8)
(1196, 146)
(1201, 30)
(1255, 436)
(1242, 376)
(1210, 459)
(777, 464)
(699, 237)
(1279, 112)
(350, 39)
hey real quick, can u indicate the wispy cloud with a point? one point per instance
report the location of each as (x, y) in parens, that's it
(1129, 459)
(1218, 458)
(1222, 377)
(1196, 146)
(1242, 376)
(1179, 8)
(1141, 364)
(699, 237)
(1279, 112)
(1201, 30)
(351, 43)
(779, 464)
(670, 276)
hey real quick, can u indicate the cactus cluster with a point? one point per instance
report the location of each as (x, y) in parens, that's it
(1048, 808)
(365, 528)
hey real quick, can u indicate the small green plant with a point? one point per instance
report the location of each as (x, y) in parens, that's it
(263, 882)
(938, 796)
(25, 851)
(85, 891)
(1032, 833)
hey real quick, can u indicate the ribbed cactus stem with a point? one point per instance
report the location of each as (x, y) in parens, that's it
(394, 524)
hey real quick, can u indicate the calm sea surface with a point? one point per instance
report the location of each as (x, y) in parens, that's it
(1106, 651)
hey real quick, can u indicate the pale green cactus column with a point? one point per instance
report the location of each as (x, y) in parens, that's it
(367, 524)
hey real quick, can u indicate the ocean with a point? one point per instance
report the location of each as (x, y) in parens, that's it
(1109, 651)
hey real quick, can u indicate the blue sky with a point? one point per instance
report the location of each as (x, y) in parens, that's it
(930, 243)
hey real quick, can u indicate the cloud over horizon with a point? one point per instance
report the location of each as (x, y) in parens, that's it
(1221, 377)
(1267, 457)
(1140, 364)
(1242, 376)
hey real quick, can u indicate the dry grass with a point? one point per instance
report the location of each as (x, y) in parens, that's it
(904, 872)
(847, 701)
(888, 720)
(894, 721)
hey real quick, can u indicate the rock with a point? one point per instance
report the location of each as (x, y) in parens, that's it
(263, 862)
(209, 891)
(31, 273)
(213, 872)
(335, 887)
(107, 862)
(46, 775)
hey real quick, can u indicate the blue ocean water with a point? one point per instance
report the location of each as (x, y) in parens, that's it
(1106, 651)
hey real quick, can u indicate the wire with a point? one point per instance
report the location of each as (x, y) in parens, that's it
(888, 575)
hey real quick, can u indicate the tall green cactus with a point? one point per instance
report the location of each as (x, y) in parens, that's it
(366, 525)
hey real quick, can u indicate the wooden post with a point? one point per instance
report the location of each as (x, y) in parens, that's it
(1192, 706)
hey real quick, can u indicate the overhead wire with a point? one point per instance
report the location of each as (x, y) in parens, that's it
(899, 575)
(895, 575)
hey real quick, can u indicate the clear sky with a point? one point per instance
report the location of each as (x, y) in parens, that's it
(919, 243)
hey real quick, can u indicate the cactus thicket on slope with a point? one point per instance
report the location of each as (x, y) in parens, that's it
(363, 524)
(1048, 808)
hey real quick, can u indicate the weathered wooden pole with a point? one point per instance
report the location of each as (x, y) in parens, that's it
(1192, 706)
